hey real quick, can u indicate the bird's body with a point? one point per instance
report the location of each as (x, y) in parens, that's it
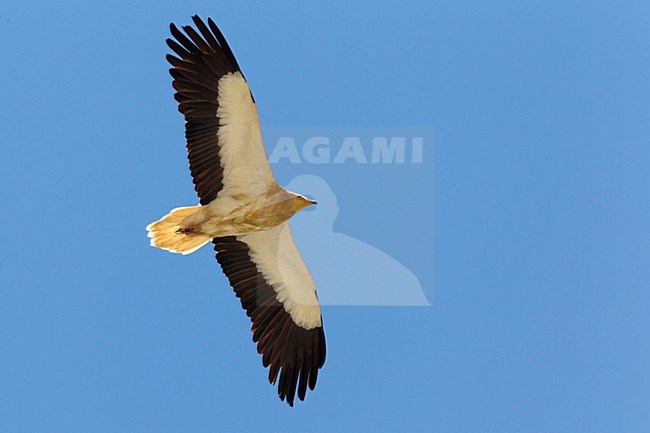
(237, 215)
(227, 215)
(242, 209)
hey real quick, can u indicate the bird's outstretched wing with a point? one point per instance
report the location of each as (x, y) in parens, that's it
(224, 142)
(275, 288)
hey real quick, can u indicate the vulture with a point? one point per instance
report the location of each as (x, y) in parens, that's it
(242, 210)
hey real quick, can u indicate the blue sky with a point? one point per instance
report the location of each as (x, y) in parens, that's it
(539, 289)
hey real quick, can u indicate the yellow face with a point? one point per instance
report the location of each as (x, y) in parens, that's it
(299, 202)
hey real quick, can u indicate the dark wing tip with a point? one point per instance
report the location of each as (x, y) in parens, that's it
(301, 356)
(292, 353)
(197, 20)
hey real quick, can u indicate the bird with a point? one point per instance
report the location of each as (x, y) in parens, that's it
(242, 210)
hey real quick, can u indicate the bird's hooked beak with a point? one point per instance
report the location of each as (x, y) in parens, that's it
(300, 202)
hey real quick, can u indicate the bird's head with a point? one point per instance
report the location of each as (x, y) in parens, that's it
(299, 202)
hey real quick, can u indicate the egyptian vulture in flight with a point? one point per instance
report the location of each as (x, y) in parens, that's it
(242, 210)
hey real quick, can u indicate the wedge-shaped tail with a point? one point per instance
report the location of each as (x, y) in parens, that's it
(166, 234)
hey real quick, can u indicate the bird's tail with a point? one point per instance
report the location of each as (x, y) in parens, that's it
(166, 233)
